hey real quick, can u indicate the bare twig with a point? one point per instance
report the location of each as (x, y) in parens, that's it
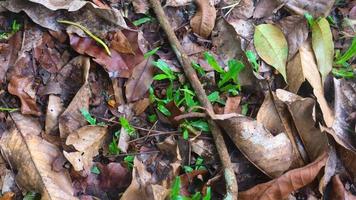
(190, 115)
(231, 183)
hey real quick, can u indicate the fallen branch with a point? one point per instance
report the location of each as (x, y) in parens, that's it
(230, 179)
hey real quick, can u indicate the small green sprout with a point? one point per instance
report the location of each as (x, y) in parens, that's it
(2, 109)
(252, 58)
(142, 20)
(95, 170)
(129, 161)
(113, 148)
(32, 196)
(91, 120)
(128, 128)
(151, 53)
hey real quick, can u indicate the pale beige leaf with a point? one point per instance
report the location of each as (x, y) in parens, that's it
(289, 182)
(295, 74)
(268, 116)
(178, 3)
(141, 6)
(54, 109)
(87, 141)
(32, 157)
(317, 8)
(272, 154)
(311, 73)
(203, 21)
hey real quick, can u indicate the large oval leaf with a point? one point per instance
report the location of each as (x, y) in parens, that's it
(323, 46)
(204, 20)
(272, 47)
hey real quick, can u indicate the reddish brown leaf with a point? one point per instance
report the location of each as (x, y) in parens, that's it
(282, 186)
(8, 53)
(140, 81)
(232, 104)
(204, 20)
(8, 196)
(265, 8)
(22, 87)
(339, 191)
(120, 43)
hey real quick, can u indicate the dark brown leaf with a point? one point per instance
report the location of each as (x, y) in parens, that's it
(8, 53)
(204, 20)
(265, 8)
(338, 190)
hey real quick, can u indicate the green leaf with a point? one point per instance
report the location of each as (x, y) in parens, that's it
(201, 125)
(187, 169)
(214, 97)
(251, 57)
(129, 161)
(350, 53)
(235, 67)
(164, 110)
(185, 134)
(142, 21)
(95, 170)
(272, 46)
(208, 194)
(152, 118)
(343, 73)
(2, 109)
(309, 18)
(151, 53)
(32, 196)
(163, 66)
(199, 69)
(323, 46)
(244, 109)
(196, 196)
(113, 149)
(88, 117)
(160, 77)
(188, 97)
(212, 62)
(126, 125)
(174, 194)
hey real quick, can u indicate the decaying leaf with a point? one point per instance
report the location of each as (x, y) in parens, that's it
(22, 87)
(54, 109)
(272, 47)
(8, 54)
(72, 119)
(87, 141)
(265, 8)
(301, 110)
(339, 191)
(204, 20)
(272, 154)
(282, 186)
(71, 5)
(232, 104)
(311, 73)
(345, 109)
(120, 43)
(323, 46)
(295, 29)
(32, 157)
(140, 81)
(178, 3)
(140, 6)
(317, 8)
(295, 74)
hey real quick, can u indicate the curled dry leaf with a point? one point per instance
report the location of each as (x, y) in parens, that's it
(87, 141)
(72, 119)
(317, 8)
(301, 110)
(32, 157)
(272, 46)
(323, 46)
(311, 73)
(272, 154)
(269, 117)
(345, 108)
(203, 21)
(296, 30)
(54, 109)
(140, 81)
(282, 186)
(244, 10)
(71, 5)
(21, 87)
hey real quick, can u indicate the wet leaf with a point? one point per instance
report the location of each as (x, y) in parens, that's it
(272, 46)
(203, 21)
(32, 157)
(311, 73)
(323, 46)
(271, 154)
(289, 182)
(140, 81)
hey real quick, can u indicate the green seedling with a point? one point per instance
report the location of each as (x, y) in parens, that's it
(128, 128)
(309, 19)
(32, 196)
(89, 33)
(143, 20)
(215, 97)
(95, 170)
(350, 53)
(175, 192)
(151, 53)
(152, 118)
(252, 58)
(199, 69)
(129, 161)
(113, 148)
(208, 194)
(2, 109)
(244, 109)
(15, 27)
(91, 120)
(212, 62)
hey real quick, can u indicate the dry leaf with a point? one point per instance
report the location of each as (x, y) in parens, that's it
(301, 109)
(22, 88)
(203, 21)
(72, 119)
(178, 3)
(140, 81)
(282, 186)
(296, 30)
(32, 158)
(338, 190)
(232, 104)
(265, 8)
(120, 43)
(244, 10)
(87, 141)
(8, 53)
(317, 8)
(8, 196)
(311, 73)
(140, 6)
(269, 117)
(295, 74)
(54, 109)
(272, 154)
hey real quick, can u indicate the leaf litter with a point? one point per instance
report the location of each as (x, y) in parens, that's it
(94, 103)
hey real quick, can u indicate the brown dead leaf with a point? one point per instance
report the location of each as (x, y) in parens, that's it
(268, 116)
(244, 10)
(311, 73)
(8, 196)
(22, 87)
(272, 154)
(344, 124)
(140, 81)
(282, 186)
(265, 8)
(120, 43)
(141, 105)
(54, 110)
(71, 5)
(232, 105)
(295, 74)
(140, 6)
(203, 21)
(296, 30)
(317, 8)
(72, 119)
(8, 53)
(339, 191)
(87, 141)
(301, 109)
(178, 3)
(32, 158)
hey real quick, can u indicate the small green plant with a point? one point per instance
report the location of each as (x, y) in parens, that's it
(32, 196)
(2, 109)
(244, 109)
(113, 148)
(143, 20)
(95, 170)
(15, 27)
(129, 161)
(199, 69)
(175, 192)
(341, 66)
(151, 53)
(131, 131)
(197, 166)
(252, 58)
(91, 120)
